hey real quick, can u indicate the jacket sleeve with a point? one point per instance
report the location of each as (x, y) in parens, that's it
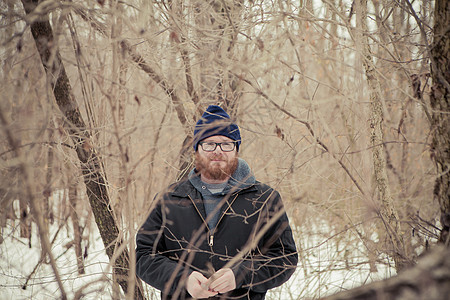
(274, 262)
(153, 265)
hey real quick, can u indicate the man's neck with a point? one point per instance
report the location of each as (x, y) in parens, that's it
(213, 181)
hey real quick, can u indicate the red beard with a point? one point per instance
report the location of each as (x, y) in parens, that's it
(215, 171)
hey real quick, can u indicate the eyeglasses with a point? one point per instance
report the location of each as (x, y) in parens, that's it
(211, 146)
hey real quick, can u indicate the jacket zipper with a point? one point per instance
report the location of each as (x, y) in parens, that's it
(211, 237)
(211, 232)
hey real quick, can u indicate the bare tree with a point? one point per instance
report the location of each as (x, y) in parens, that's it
(410, 284)
(81, 137)
(306, 80)
(388, 213)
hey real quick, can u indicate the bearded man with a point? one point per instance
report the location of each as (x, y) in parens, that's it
(220, 234)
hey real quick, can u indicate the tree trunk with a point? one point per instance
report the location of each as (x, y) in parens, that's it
(440, 125)
(387, 210)
(90, 162)
(73, 200)
(48, 210)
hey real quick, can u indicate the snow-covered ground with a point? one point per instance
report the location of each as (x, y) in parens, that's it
(19, 261)
(321, 268)
(329, 265)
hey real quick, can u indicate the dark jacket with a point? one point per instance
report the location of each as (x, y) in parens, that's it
(253, 235)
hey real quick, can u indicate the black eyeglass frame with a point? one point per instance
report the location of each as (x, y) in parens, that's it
(218, 144)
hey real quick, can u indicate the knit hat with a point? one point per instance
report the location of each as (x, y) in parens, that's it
(215, 121)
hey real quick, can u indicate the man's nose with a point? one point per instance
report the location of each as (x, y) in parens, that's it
(218, 149)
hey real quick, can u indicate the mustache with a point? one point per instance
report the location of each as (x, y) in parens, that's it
(216, 157)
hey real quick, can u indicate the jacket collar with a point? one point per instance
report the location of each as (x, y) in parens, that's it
(186, 189)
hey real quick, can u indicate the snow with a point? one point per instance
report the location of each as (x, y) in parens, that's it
(321, 270)
(18, 261)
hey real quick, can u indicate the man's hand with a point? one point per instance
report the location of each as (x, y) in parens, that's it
(194, 285)
(222, 281)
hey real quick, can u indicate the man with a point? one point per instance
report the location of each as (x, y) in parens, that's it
(221, 233)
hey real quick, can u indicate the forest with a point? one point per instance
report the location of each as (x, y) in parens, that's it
(343, 107)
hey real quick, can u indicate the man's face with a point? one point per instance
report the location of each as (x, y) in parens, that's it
(216, 166)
